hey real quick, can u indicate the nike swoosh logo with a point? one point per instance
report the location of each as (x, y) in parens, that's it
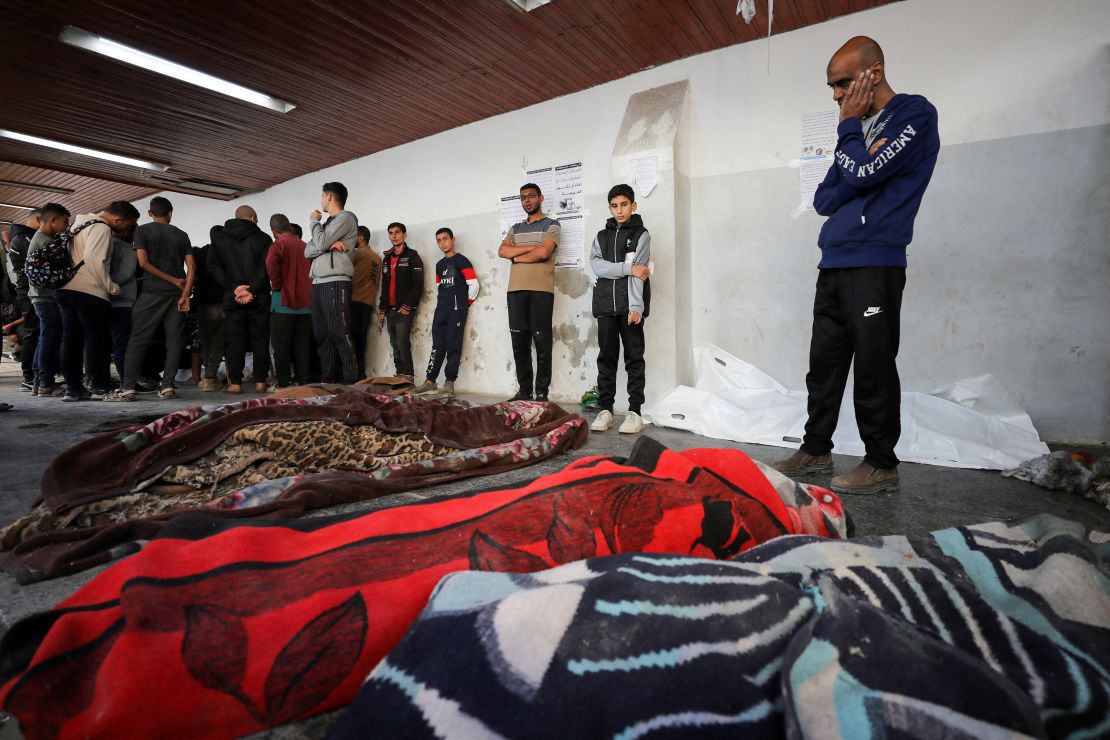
(871, 312)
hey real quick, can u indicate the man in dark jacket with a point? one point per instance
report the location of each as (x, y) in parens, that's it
(21, 235)
(886, 149)
(402, 286)
(238, 263)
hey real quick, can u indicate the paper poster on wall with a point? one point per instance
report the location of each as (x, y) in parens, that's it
(643, 174)
(561, 186)
(818, 145)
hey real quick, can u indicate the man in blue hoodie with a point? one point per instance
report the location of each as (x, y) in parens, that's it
(886, 149)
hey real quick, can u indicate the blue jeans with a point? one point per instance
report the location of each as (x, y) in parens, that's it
(48, 352)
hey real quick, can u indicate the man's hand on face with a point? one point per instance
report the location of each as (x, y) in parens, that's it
(857, 101)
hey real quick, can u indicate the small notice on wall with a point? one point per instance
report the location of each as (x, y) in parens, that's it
(643, 174)
(818, 145)
(561, 186)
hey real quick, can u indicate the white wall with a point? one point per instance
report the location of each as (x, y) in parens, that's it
(1009, 269)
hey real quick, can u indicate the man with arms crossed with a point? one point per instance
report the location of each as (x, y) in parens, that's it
(530, 247)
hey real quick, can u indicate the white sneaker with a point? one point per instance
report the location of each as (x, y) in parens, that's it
(602, 422)
(632, 424)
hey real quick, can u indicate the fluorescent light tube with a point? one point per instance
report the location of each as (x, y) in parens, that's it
(13, 205)
(83, 150)
(130, 55)
(33, 186)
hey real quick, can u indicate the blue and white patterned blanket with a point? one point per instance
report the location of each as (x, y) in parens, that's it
(974, 632)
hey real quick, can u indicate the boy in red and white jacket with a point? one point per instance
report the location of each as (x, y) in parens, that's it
(457, 286)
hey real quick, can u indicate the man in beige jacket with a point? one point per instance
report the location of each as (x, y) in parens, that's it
(83, 301)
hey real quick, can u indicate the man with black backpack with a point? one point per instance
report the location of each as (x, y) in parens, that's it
(55, 220)
(83, 299)
(17, 254)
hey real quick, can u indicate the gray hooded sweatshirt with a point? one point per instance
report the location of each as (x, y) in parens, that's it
(329, 266)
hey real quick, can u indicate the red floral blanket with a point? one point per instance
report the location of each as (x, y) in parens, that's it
(222, 628)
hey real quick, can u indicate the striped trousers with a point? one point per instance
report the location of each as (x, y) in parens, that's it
(331, 323)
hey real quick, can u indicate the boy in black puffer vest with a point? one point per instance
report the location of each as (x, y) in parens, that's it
(619, 258)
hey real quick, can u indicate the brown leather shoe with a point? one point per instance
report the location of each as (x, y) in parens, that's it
(866, 479)
(802, 463)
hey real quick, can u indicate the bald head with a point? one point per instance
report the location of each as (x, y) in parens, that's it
(859, 50)
(861, 61)
(246, 213)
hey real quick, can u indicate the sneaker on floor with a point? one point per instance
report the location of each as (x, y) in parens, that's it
(74, 397)
(632, 424)
(51, 391)
(540, 396)
(449, 389)
(866, 479)
(120, 395)
(35, 389)
(209, 384)
(602, 422)
(167, 393)
(803, 463)
(26, 385)
(408, 378)
(522, 396)
(98, 394)
(427, 388)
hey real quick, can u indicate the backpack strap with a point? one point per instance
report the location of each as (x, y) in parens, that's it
(73, 235)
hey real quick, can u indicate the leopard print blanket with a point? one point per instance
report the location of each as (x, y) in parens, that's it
(248, 456)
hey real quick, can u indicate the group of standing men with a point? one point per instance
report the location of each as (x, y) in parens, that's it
(886, 151)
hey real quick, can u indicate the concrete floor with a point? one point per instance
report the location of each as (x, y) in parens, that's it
(930, 497)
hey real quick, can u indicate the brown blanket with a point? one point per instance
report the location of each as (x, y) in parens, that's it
(483, 440)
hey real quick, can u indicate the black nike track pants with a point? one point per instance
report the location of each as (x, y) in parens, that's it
(856, 315)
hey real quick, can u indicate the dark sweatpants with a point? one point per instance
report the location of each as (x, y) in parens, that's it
(245, 326)
(151, 311)
(121, 335)
(331, 324)
(210, 322)
(86, 339)
(291, 337)
(612, 332)
(448, 325)
(361, 315)
(530, 322)
(856, 314)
